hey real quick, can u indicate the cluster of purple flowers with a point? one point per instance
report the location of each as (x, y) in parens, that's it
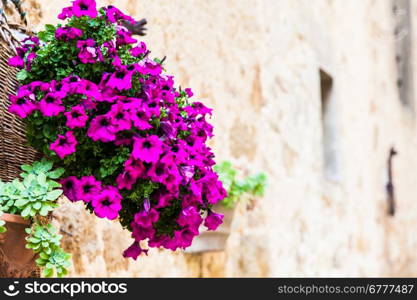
(181, 164)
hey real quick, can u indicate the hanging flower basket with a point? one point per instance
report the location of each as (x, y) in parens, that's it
(133, 145)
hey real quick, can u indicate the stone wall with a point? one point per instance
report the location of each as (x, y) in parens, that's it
(323, 138)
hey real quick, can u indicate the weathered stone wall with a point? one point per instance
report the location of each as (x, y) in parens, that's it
(257, 62)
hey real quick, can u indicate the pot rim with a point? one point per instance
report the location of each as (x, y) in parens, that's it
(12, 218)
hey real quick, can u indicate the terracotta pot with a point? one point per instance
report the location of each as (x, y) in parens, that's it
(15, 260)
(214, 240)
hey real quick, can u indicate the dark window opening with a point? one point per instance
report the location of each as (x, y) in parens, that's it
(331, 141)
(402, 37)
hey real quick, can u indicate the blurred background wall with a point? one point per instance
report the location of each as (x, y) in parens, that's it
(314, 93)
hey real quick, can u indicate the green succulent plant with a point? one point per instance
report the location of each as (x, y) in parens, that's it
(57, 261)
(37, 196)
(43, 238)
(43, 167)
(8, 195)
(252, 185)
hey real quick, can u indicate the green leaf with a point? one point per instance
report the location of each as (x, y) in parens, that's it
(45, 210)
(33, 240)
(48, 272)
(37, 205)
(21, 202)
(43, 255)
(53, 195)
(26, 168)
(49, 27)
(53, 184)
(56, 173)
(22, 75)
(42, 179)
(25, 212)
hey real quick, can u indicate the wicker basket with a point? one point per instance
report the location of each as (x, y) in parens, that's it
(14, 150)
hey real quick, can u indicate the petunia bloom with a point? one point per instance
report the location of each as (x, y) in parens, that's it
(124, 37)
(88, 188)
(102, 129)
(65, 13)
(70, 186)
(51, 105)
(120, 117)
(88, 53)
(147, 149)
(21, 107)
(84, 8)
(76, 117)
(134, 251)
(68, 33)
(138, 50)
(213, 220)
(113, 14)
(108, 203)
(140, 118)
(121, 79)
(64, 144)
(128, 178)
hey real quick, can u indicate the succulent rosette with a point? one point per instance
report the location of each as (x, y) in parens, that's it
(133, 146)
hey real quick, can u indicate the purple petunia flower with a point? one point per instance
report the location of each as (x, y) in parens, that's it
(147, 149)
(213, 220)
(139, 50)
(150, 67)
(70, 186)
(134, 251)
(146, 218)
(21, 106)
(102, 129)
(68, 33)
(88, 88)
(190, 216)
(108, 203)
(113, 14)
(84, 8)
(64, 145)
(124, 37)
(189, 92)
(140, 118)
(76, 117)
(88, 53)
(65, 13)
(88, 188)
(120, 117)
(51, 105)
(128, 178)
(121, 79)
(18, 61)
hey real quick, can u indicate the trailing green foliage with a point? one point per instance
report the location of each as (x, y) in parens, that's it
(44, 240)
(252, 185)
